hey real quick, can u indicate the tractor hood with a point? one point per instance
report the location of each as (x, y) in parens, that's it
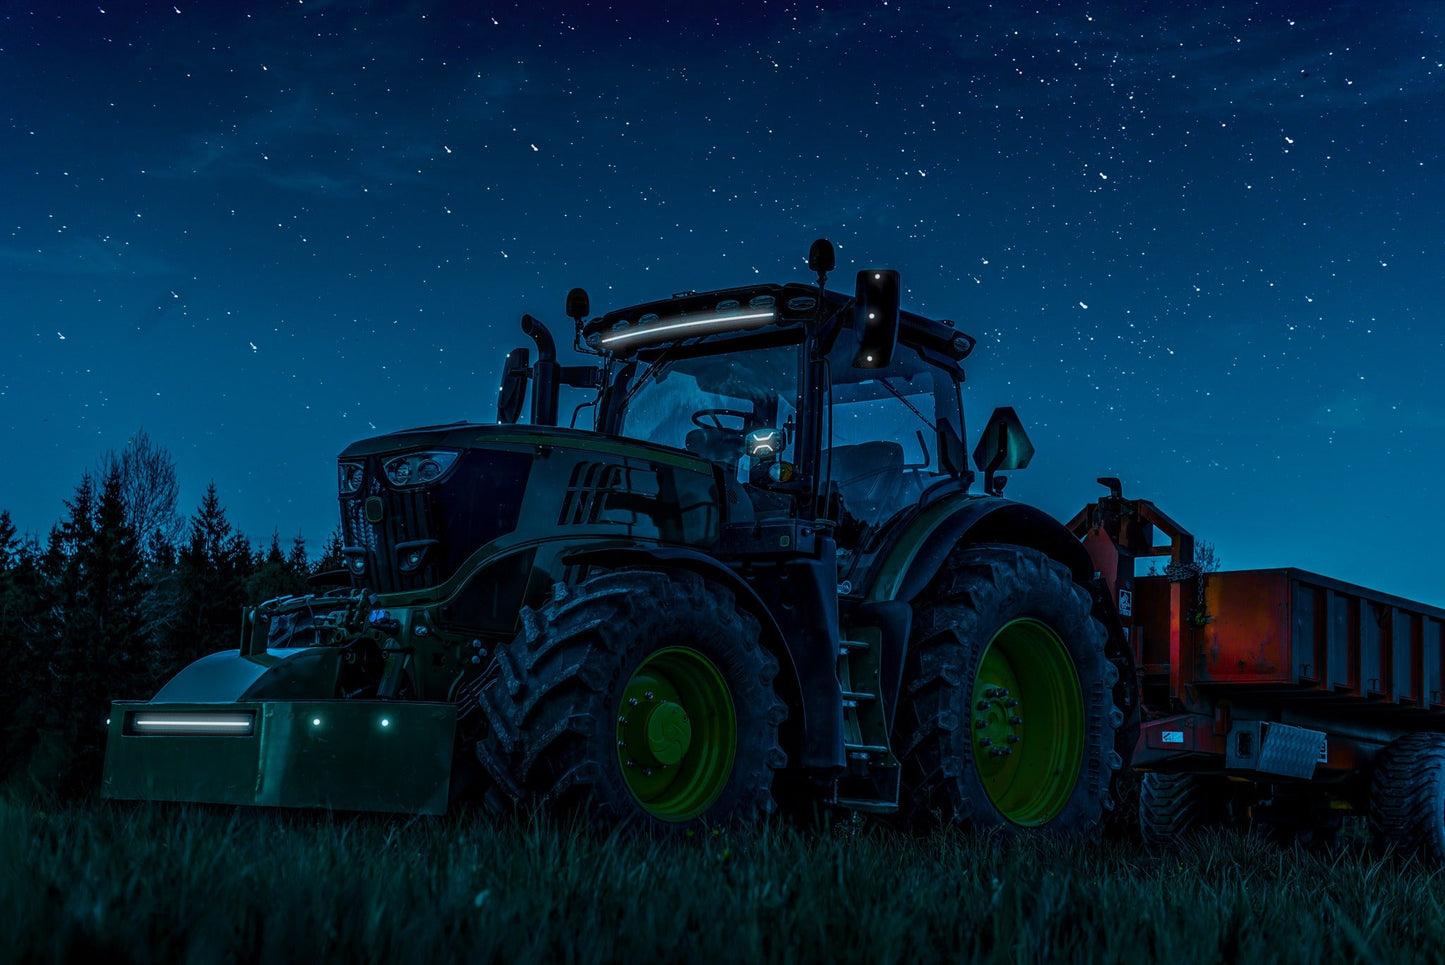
(417, 504)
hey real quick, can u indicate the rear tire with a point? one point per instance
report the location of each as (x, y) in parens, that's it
(1007, 717)
(644, 698)
(1407, 796)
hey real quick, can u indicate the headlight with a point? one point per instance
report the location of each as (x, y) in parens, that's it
(418, 468)
(350, 473)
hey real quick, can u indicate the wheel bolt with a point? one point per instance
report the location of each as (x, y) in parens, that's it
(621, 721)
(622, 743)
(632, 701)
(983, 705)
(989, 692)
(1010, 702)
(648, 695)
(1013, 738)
(986, 742)
(1016, 720)
(980, 723)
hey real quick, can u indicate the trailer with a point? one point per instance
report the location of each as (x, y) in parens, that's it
(1277, 698)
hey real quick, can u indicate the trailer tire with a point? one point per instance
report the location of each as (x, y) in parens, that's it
(1006, 656)
(1407, 796)
(1171, 805)
(566, 722)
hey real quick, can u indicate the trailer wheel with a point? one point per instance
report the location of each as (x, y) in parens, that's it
(1407, 796)
(1172, 804)
(645, 698)
(1007, 716)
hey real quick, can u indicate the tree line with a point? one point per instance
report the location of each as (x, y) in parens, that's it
(120, 595)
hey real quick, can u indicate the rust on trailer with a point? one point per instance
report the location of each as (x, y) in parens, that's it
(1292, 630)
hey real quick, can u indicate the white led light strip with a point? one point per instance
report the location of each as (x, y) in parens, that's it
(698, 324)
(234, 724)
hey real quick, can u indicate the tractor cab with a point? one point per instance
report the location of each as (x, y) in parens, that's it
(807, 407)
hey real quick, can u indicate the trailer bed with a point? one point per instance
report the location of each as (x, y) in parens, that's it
(1292, 632)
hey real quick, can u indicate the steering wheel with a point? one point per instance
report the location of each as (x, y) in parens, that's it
(717, 414)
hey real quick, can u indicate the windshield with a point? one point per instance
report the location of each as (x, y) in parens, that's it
(707, 404)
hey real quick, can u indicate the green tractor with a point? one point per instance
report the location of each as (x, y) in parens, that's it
(763, 579)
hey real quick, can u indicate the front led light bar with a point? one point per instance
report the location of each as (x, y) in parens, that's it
(681, 327)
(157, 722)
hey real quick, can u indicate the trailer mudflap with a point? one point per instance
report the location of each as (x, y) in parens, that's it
(351, 755)
(1274, 748)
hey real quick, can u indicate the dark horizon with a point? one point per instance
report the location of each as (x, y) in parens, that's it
(1200, 248)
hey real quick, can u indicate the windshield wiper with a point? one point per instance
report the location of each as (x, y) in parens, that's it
(900, 398)
(652, 367)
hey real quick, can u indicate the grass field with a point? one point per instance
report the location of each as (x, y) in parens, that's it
(152, 883)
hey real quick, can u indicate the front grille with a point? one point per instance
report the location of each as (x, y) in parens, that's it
(445, 522)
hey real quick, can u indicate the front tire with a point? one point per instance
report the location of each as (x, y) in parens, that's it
(644, 698)
(1007, 717)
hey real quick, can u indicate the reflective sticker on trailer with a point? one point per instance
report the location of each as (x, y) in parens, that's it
(1126, 603)
(1324, 757)
(1172, 736)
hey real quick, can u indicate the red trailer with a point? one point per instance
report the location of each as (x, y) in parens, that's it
(1277, 697)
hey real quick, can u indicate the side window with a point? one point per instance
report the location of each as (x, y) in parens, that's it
(894, 431)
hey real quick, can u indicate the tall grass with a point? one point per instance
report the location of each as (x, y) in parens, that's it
(147, 883)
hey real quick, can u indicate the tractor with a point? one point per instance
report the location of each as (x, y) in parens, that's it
(765, 579)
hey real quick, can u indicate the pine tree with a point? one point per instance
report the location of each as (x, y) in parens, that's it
(331, 555)
(274, 577)
(23, 598)
(213, 567)
(99, 651)
(297, 561)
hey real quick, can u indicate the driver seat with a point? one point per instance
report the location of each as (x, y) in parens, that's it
(880, 466)
(715, 444)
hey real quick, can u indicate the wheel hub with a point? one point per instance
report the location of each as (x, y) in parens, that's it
(1027, 722)
(669, 733)
(676, 734)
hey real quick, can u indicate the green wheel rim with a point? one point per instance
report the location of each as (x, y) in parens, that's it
(1028, 723)
(677, 734)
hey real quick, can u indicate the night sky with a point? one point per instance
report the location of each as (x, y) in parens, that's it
(1201, 244)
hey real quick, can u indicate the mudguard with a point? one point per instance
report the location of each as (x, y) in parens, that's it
(921, 545)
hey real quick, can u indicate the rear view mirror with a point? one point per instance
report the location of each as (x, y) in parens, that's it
(876, 317)
(1004, 444)
(515, 373)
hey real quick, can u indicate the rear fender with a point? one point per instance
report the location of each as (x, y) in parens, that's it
(923, 543)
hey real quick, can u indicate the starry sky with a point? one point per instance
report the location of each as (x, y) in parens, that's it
(1200, 243)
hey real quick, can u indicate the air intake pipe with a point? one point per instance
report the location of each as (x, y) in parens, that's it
(545, 373)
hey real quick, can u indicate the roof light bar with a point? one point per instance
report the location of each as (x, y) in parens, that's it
(192, 724)
(690, 325)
